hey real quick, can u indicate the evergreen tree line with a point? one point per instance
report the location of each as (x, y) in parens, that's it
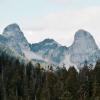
(19, 81)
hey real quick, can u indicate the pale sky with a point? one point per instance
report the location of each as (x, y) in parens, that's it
(57, 19)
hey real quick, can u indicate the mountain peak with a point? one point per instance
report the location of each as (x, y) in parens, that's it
(11, 27)
(13, 30)
(82, 34)
(48, 40)
(81, 30)
(15, 38)
(83, 42)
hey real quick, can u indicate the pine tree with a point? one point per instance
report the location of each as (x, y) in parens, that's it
(96, 83)
(72, 83)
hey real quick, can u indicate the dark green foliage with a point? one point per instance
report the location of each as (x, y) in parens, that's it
(28, 82)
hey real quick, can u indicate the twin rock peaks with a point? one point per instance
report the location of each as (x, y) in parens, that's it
(83, 49)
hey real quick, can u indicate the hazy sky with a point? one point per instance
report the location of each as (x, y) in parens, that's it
(57, 19)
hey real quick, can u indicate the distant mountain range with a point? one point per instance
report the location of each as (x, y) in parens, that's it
(84, 49)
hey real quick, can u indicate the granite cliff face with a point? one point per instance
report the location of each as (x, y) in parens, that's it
(14, 38)
(83, 49)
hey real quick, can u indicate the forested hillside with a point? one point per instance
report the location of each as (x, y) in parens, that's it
(19, 81)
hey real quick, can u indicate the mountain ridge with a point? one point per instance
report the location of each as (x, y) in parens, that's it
(84, 48)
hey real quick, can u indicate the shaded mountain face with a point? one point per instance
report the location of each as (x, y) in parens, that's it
(49, 49)
(83, 48)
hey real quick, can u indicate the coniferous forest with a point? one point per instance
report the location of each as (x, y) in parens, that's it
(19, 81)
